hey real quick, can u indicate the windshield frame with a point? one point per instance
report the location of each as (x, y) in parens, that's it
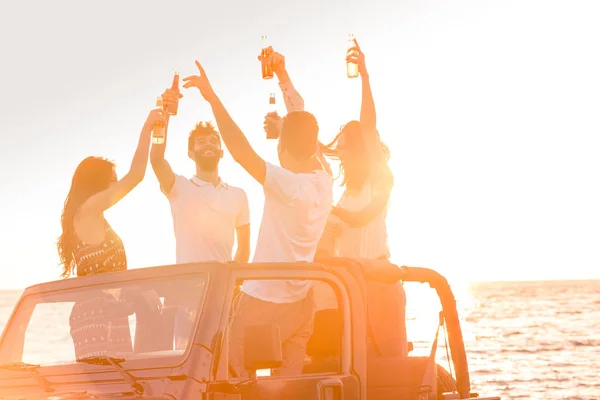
(21, 315)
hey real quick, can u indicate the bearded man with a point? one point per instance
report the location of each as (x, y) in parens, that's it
(206, 211)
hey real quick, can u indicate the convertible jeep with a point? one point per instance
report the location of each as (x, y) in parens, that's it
(163, 333)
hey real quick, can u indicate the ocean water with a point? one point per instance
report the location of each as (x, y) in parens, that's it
(524, 340)
(529, 340)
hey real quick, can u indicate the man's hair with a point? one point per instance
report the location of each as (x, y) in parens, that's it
(203, 128)
(299, 135)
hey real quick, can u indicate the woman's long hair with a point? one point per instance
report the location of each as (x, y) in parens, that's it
(93, 175)
(354, 138)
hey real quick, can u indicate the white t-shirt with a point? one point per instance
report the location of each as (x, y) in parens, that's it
(369, 241)
(294, 217)
(205, 218)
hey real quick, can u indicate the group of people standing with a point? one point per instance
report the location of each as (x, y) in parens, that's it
(300, 220)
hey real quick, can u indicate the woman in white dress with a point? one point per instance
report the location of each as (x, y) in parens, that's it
(358, 223)
(357, 226)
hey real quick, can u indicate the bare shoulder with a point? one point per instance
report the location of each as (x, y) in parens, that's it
(89, 228)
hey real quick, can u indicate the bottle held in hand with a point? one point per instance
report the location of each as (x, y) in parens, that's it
(272, 120)
(172, 108)
(265, 52)
(272, 105)
(158, 133)
(351, 67)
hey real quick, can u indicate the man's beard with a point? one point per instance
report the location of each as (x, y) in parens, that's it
(207, 163)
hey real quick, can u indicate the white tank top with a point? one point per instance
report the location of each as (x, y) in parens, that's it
(369, 241)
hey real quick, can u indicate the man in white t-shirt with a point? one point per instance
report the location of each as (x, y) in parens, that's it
(206, 211)
(298, 199)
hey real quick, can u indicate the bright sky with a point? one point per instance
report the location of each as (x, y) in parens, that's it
(490, 109)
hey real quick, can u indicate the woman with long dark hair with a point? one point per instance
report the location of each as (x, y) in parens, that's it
(357, 228)
(88, 245)
(366, 178)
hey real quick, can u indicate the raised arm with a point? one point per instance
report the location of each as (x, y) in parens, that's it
(160, 166)
(292, 99)
(368, 115)
(234, 138)
(99, 202)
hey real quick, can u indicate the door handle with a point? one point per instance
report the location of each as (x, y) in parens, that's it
(332, 384)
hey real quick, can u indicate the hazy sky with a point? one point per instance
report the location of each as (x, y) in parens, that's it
(490, 109)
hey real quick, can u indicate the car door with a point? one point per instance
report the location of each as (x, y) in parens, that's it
(328, 372)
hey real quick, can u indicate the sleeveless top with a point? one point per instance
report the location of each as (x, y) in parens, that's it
(99, 322)
(108, 256)
(369, 241)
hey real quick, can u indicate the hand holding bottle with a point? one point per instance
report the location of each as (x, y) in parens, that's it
(170, 99)
(275, 60)
(356, 56)
(264, 58)
(156, 117)
(171, 108)
(157, 122)
(272, 125)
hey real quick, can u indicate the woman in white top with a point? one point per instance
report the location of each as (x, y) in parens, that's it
(357, 227)
(358, 222)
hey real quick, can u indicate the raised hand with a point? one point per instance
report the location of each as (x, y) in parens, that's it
(200, 82)
(156, 116)
(277, 60)
(358, 57)
(272, 125)
(170, 98)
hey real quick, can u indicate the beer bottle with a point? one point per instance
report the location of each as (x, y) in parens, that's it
(272, 117)
(272, 106)
(351, 67)
(265, 52)
(158, 133)
(172, 109)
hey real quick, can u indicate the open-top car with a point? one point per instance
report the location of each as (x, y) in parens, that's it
(162, 333)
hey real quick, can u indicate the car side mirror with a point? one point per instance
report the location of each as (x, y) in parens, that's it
(262, 348)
